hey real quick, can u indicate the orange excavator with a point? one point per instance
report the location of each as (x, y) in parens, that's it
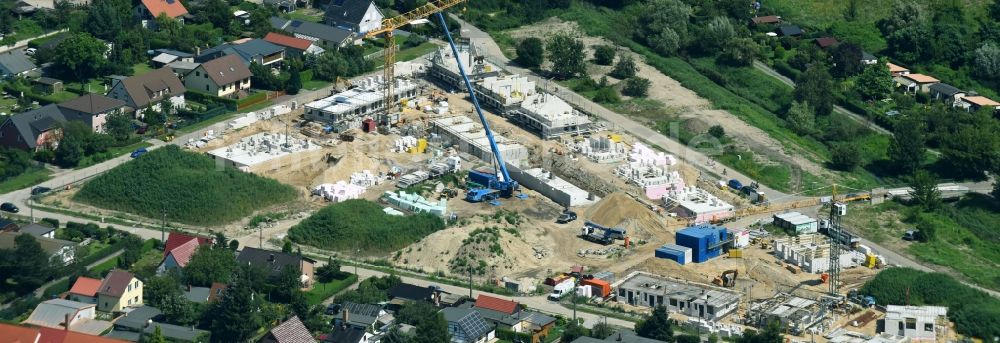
(727, 279)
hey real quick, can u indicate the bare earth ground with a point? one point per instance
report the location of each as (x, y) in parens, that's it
(675, 96)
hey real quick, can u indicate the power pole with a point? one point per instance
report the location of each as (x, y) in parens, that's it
(470, 282)
(835, 234)
(163, 228)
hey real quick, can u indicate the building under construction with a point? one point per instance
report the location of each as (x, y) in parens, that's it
(252, 153)
(444, 67)
(549, 116)
(349, 108)
(469, 137)
(688, 298)
(795, 314)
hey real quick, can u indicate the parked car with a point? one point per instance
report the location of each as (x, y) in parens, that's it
(39, 190)
(9, 207)
(138, 152)
(30, 51)
(566, 217)
(911, 235)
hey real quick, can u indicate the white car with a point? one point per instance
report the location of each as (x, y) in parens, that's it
(30, 51)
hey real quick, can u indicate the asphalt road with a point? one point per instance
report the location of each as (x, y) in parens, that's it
(701, 159)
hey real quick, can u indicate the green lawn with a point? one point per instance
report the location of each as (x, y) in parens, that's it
(315, 84)
(27, 179)
(304, 15)
(205, 123)
(409, 54)
(7, 105)
(141, 68)
(26, 28)
(322, 291)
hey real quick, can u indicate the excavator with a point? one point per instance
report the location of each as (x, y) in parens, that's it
(727, 279)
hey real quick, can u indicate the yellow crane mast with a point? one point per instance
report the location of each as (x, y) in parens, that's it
(392, 24)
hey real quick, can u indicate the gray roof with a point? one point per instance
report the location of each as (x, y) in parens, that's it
(790, 30)
(247, 51)
(50, 245)
(315, 30)
(361, 314)
(271, 261)
(341, 334)
(140, 86)
(52, 313)
(33, 123)
(92, 104)
(36, 230)
(624, 336)
(180, 54)
(197, 294)
(347, 11)
(468, 320)
(176, 332)
(16, 62)
(48, 80)
(865, 56)
(137, 318)
(945, 89)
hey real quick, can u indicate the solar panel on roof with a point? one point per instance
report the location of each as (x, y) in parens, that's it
(296, 23)
(475, 326)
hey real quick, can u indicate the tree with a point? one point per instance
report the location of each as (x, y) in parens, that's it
(215, 12)
(32, 264)
(81, 55)
(264, 78)
(566, 54)
(973, 147)
(770, 334)
(636, 87)
(986, 60)
(286, 284)
(294, 82)
(851, 12)
(236, 317)
(208, 265)
(815, 86)
(234, 245)
(717, 33)
(846, 60)
(845, 156)
(906, 148)
(607, 95)
(70, 151)
(717, 131)
(530, 53)
(663, 25)
(414, 312)
(156, 337)
(432, 329)
(740, 52)
(801, 118)
(106, 18)
(687, 339)
(132, 253)
(656, 326)
(875, 82)
(158, 289)
(909, 44)
(926, 231)
(287, 247)
(573, 331)
(924, 190)
(328, 272)
(119, 126)
(601, 331)
(604, 54)
(996, 189)
(625, 68)
(904, 13)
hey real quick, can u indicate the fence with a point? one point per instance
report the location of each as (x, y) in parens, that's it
(257, 99)
(378, 54)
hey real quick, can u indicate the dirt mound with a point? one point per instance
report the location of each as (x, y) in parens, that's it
(348, 164)
(620, 210)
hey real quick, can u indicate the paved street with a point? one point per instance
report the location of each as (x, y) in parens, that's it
(24, 42)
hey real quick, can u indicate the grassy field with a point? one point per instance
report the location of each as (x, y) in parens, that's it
(362, 224)
(27, 179)
(26, 28)
(141, 68)
(322, 291)
(966, 238)
(189, 187)
(305, 15)
(823, 14)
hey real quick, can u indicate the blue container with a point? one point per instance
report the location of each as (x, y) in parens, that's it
(704, 241)
(673, 252)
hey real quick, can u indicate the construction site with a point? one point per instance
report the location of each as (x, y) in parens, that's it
(573, 192)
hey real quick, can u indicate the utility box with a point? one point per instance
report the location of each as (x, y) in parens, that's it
(840, 209)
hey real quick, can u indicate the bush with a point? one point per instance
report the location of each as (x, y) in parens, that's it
(607, 95)
(604, 54)
(189, 187)
(361, 224)
(51, 221)
(636, 87)
(717, 131)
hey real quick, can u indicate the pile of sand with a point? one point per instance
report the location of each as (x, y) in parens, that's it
(621, 210)
(346, 165)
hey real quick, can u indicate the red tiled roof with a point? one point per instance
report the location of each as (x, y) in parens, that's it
(896, 68)
(17, 334)
(215, 292)
(85, 286)
(826, 42)
(176, 239)
(921, 78)
(496, 304)
(182, 254)
(172, 8)
(50, 335)
(768, 19)
(288, 41)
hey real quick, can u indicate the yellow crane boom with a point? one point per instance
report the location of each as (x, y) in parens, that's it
(392, 24)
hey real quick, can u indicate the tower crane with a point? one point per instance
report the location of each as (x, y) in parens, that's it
(389, 25)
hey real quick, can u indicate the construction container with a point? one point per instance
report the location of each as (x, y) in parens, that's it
(705, 241)
(677, 253)
(870, 260)
(369, 125)
(599, 287)
(735, 253)
(615, 138)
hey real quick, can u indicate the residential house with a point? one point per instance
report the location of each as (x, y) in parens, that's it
(974, 103)
(60, 250)
(916, 322)
(38, 129)
(46, 4)
(178, 249)
(790, 31)
(358, 16)
(897, 70)
(404, 292)
(290, 331)
(915, 82)
(118, 290)
(92, 109)
(47, 85)
(620, 336)
(508, 315)
(274, 262)
(149, 91)
(67, 315)
(14, 64)
(467, 326)
(765, 20)
(215, 292)
(224, 77)
(24, 334)
(349, 334)
(250, 51)
(148, 10)
(198, 295)
(364, 316)
(39, 230)
(84, 290)
(826, 42)
(868, 59)
(164, 57)
(142, 321)
(294, 46)
(329, 37)
(945, 92)
(8, 225)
